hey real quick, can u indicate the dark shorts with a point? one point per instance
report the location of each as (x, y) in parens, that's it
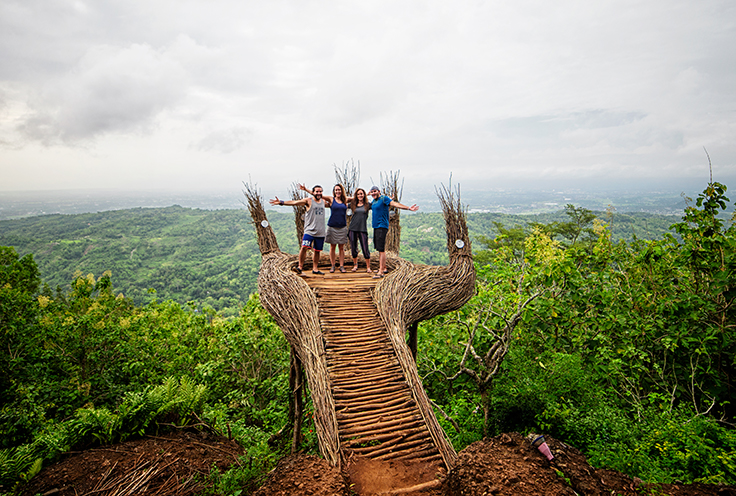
(316, 243)
(379, 238)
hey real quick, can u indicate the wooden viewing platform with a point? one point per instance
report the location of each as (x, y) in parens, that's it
(348, 332)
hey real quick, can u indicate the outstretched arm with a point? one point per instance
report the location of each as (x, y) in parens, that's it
(304, 188)
(396, 204)
(293, 203)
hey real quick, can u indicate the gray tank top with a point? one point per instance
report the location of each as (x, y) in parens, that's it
(314, 220)
(358, 222)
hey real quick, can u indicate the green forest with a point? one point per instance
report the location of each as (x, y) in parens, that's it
(615, 333)
(212, 258)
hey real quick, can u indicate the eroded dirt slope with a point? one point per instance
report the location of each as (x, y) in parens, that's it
(177, 463)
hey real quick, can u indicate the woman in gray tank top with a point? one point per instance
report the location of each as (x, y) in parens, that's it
(358, 230)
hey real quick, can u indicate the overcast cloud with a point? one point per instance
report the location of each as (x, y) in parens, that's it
(195, 95)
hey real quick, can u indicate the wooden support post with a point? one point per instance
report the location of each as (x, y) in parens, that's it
(413, 339)
(296, 407)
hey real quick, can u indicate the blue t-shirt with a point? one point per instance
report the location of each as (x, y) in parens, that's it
(379, 207)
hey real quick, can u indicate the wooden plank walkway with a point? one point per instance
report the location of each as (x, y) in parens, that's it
(376, 413)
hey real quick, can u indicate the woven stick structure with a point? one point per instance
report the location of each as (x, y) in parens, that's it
(408, 294)
(349, 176)
(391, 187)
(299, 211)
(294, 307)
(411, 293)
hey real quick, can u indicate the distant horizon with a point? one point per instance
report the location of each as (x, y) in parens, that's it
(527, 184)
(658, 198)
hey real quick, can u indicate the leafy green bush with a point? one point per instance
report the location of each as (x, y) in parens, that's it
(673, 446)
(173, 401)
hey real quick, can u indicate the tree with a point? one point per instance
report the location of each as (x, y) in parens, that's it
(577, 226)
(709, 251)
(19, 283)
(506, 288)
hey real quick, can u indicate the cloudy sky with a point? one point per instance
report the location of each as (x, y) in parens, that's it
(194, 95)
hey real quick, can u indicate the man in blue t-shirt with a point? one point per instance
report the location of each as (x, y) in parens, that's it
(379, 208)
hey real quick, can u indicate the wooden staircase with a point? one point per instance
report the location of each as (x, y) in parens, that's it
(376, 413)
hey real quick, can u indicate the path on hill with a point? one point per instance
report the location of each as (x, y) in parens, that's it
(376, 413)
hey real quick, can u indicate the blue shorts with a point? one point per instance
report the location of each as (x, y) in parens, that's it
(316, 243)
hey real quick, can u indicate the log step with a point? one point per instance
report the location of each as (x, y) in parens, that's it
(376, 412)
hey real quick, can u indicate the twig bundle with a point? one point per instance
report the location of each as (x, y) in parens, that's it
(390, 187)
(299, 211)
(266, 238)
(349, 176)
(411, 293)
(294, 307)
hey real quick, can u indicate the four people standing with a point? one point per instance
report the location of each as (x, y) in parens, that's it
(337, 232)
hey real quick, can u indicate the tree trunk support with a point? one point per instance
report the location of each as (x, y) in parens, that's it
(413, 339)
(296, 410)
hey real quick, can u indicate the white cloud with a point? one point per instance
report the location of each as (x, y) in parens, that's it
(224, 140)
(110, 90)
(489, 90)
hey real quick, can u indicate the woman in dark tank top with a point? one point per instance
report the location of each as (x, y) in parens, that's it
(337, 230)
(358, 231)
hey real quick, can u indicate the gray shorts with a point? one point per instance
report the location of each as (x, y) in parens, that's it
(336, 235)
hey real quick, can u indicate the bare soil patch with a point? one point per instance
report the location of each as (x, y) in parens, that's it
(174, 463)
(178, 463)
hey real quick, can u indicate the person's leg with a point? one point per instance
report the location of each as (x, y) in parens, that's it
(303, 256)
(318, 245)
(381, 262)
(353, 249)
(341, 249)
(379, 241)
(366, 253)
(332, 257)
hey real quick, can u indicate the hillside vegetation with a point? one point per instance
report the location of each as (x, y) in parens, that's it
(212, 258)
(625, 350)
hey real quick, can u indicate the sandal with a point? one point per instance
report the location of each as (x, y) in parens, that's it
(332, 269)
(342, 269)
(355, 268)
(298, 270)
(318, 272)
(377, 276)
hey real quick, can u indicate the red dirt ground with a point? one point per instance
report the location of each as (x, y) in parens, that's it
(178, 462)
